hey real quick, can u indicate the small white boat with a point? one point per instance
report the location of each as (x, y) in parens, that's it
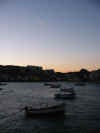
(47, 110)
(71, 90)
(64, 95)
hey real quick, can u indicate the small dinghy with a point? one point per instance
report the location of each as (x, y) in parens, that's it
(63, 95)
(45, 110)
(69, 90)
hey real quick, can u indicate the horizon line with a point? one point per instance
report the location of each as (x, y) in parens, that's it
(49, 68)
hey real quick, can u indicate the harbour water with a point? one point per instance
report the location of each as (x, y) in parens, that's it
(82, 113)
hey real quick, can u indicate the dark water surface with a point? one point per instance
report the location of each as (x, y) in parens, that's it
(82, 114)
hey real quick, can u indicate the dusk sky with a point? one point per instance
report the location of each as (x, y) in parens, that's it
(59, 34)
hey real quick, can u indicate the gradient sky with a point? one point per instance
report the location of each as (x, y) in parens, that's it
(59, 34)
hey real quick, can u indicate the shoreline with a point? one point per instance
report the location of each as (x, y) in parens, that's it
(94, 82)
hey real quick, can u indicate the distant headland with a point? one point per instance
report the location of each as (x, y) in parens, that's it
(11, 73)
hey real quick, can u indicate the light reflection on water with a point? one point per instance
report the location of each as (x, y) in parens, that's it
(82, 114)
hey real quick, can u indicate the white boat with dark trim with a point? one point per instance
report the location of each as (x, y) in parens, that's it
(65, 94)
(46, 110)
(69, 90)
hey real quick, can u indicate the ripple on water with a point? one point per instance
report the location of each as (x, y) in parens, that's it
(82, 114)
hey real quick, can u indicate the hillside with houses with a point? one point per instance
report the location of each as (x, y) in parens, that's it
(10, 73)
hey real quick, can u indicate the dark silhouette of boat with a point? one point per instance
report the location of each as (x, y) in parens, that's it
(71, 90)
(62, 95)
(65, 93)
(47, 110)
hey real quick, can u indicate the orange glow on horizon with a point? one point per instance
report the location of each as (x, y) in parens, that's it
(60, 68)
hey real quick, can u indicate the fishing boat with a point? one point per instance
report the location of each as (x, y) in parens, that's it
(68, 94)
(47, 110)
(71, 90)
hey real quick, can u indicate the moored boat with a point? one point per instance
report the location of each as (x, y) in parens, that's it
(47, 110)
(70, 90)
(64, 95)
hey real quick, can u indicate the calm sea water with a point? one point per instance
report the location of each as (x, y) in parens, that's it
(82, 114)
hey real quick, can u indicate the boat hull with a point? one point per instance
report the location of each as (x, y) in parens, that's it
(60, 96)
(46, 111)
